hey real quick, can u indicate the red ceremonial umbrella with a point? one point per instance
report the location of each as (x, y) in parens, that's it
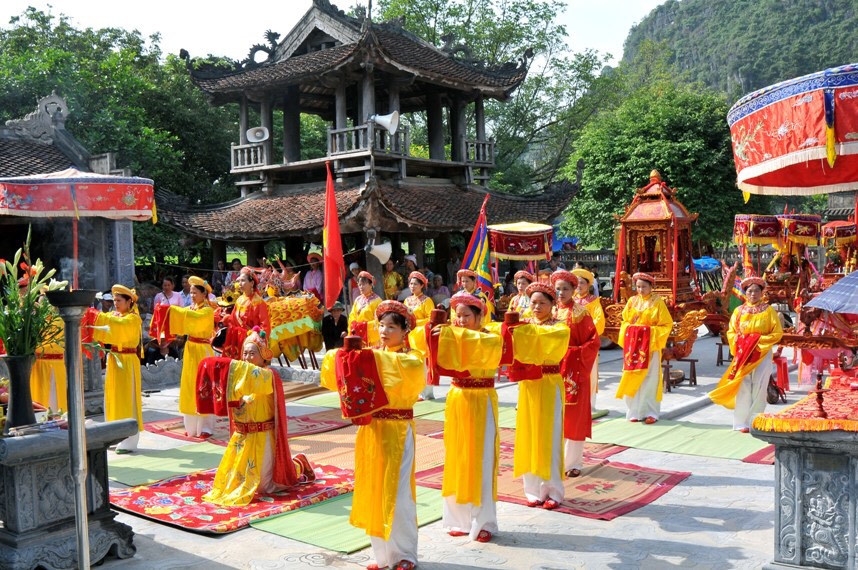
(800, 136)
(71, 193)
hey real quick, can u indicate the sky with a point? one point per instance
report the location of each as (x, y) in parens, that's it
(225, 29)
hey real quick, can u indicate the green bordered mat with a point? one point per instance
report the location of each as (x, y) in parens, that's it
(149, 465)
(678, 437)
(326, 525)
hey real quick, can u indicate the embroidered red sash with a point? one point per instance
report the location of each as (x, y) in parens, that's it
(636, 347)
(359, 385)
(746, 353)
(212, 380)
(160, 324)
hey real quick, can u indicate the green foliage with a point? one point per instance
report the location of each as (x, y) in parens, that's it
(26, 321)
(740, 46)
(536, 128)
(676, 129)
(122, 98)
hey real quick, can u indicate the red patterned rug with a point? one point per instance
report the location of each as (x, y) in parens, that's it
(765, 456)
(298, 425)
(507, 435)
(605, 490)
(178, 501)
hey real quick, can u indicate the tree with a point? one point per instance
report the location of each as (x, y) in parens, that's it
(122, 98)
(677, 129)
(535, 129)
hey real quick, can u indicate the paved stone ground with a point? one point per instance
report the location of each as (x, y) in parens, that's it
(721, 517)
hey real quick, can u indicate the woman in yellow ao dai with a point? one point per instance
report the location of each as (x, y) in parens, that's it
(384, 502)
(541, 344)
(122, 330)
(754, 330)
(48, 380)
(418, 303)
(196, 321)
(471, 356)
(642, 387)
(363, 309)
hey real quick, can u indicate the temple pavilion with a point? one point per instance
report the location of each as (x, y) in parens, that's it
(349, 71)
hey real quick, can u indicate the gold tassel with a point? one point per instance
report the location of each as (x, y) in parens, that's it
(746, 196)
(829, 145)
(154, 213)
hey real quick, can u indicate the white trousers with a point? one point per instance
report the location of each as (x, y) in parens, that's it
(573, 455)
(468, 517)
(402, 544)
(643, 404)
(751, 397)
(536, 488)
(196, 424)
(129, 443)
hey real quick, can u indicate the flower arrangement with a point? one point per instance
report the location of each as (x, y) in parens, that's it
(26, 321)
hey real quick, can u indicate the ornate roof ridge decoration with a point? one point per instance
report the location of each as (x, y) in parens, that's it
(41, 124)
(399, 48)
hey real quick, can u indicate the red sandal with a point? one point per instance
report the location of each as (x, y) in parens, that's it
(457, 533)
(534, 503)
(484, 536)
(405, 565)
(550, 505)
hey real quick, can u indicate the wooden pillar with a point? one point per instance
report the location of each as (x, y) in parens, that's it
(480, 119)
(442, 254)
(393, 97)
(367, 94)
(218, 252)
(415, 247)
(266, 117)
(292, 125)
(254, 249)
(242, 120)
(435, 125)
(457, 129)
(396, 250)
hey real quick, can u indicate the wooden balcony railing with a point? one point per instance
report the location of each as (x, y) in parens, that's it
(480, 152)
(249, 156)
(366, 137)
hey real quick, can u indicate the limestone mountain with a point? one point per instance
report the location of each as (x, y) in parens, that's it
(738, 46)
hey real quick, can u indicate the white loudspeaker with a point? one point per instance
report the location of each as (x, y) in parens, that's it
(257, 134)
(381, 251)
(389, 122)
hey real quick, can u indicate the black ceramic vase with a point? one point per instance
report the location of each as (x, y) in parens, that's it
(20, 409)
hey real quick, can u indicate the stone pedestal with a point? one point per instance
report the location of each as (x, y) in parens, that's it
(816, 499)
(37, 504)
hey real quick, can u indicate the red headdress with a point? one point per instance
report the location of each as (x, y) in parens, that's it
(748, 281)
(529, 276)
(465, 273)
(391, 306)
(643, 277)
(247, 270)
(540, 287)
(563, 275)
(367, 275)
(465, 298)
(420, 277)
(258, 337)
